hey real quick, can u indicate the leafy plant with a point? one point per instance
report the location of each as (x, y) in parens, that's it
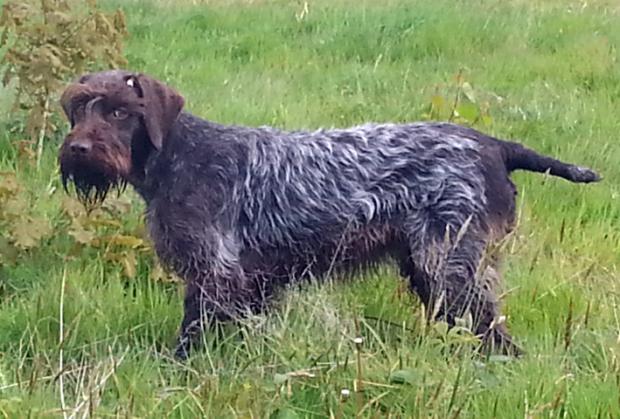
(460, 103)
(48, 42)
(101, 229)
(20, 229)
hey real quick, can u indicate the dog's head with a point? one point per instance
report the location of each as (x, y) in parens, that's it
(117, 119)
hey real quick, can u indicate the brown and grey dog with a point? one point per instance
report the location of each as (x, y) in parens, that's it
(239, 212)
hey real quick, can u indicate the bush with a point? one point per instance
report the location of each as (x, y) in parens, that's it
(48, 42)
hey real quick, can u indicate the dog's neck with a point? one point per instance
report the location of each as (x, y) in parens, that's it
(146, 160)
(143, 157)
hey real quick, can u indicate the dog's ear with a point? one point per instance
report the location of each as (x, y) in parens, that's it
(162, 106)
(70, 97)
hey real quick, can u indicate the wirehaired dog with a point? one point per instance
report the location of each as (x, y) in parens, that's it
(238, 212)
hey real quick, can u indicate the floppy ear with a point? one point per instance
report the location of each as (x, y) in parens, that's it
(69, 97)
(162, 106)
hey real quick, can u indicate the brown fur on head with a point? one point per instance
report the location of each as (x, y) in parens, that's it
(117, 119)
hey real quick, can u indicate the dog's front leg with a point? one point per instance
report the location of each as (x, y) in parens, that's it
(217, 289)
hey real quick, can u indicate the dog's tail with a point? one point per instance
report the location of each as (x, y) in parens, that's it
(518, 157)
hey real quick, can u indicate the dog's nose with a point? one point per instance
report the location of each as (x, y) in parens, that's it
(80, 147)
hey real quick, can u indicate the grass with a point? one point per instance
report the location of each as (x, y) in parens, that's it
(78, 338)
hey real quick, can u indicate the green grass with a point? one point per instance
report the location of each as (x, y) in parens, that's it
(550, 72)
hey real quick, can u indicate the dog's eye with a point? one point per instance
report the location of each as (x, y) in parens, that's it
(119, 114)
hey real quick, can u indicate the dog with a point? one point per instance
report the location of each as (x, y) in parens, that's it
(240, 212)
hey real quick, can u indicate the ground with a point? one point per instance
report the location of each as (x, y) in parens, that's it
(81, 332)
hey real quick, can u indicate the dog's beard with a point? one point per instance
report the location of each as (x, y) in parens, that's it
(91, 185)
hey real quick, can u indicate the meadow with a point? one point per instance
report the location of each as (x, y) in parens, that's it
(84, 335)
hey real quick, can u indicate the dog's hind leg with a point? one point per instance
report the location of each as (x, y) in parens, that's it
(443, 269)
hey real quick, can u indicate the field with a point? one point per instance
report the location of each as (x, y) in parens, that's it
(81, 334)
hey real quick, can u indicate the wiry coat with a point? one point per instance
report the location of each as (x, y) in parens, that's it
(238, 211)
